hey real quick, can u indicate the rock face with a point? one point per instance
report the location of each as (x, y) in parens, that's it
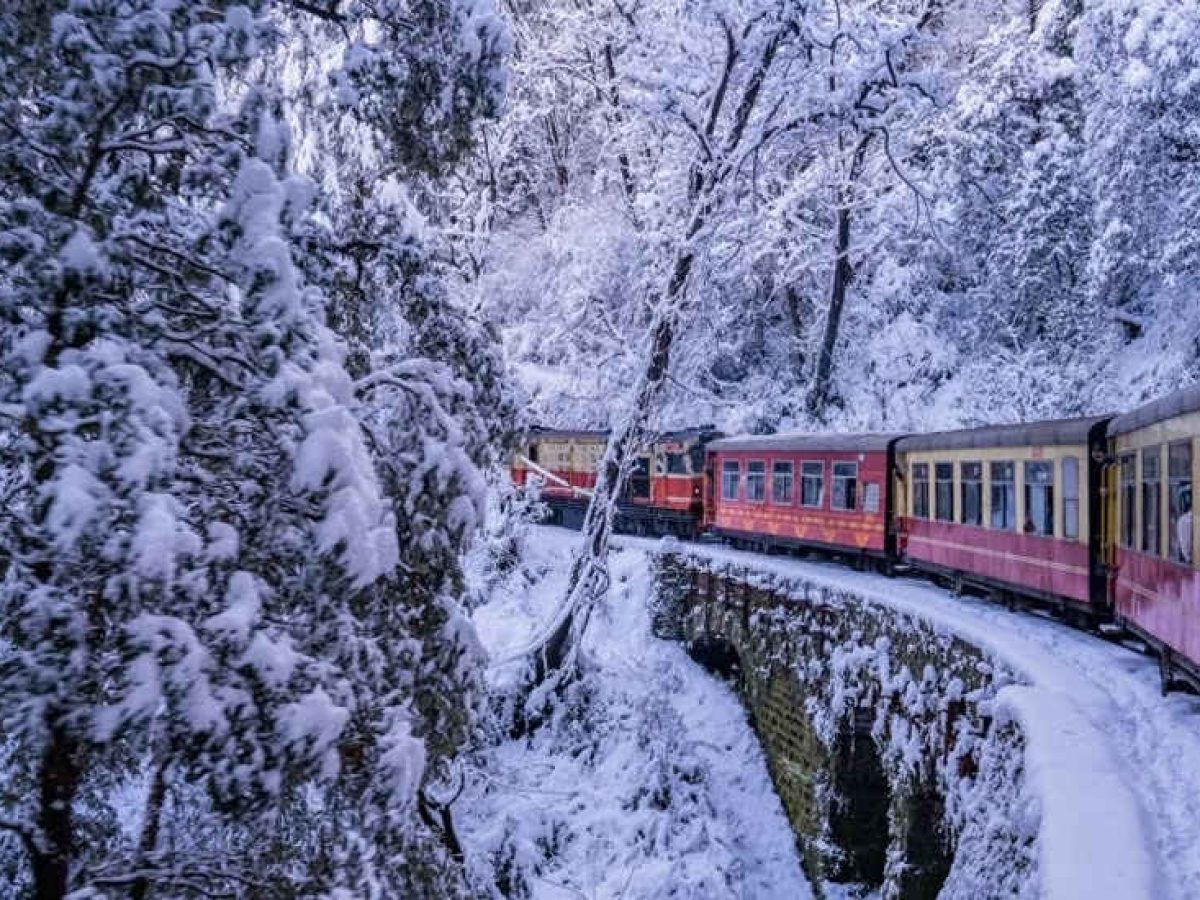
(878, 730)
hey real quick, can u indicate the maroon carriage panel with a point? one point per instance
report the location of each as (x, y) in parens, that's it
(769, 488)
(1042, 565)
(1161, 598)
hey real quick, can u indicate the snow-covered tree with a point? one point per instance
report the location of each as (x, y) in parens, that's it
(211, 578)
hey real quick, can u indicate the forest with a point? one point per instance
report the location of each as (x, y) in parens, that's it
(284, 281)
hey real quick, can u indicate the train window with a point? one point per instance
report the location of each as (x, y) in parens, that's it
(920, 489)
(1003, 496)
(972, 493)
(1151, 500)
(731, 474)
(943, 496)
(1070, 497)
(845, 485)
(781, 482)
(756, 481)
(677, 464)
(1179, 474)
(696, 456)
(1128, 500)
(812, 484)
(1039, 498)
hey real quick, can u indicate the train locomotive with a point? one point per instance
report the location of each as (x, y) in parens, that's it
(1088, 518)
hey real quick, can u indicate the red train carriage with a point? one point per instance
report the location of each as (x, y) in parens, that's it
(561, 466)
(1013, 509)
(1156, 591)
(821, 491)
(664, 493)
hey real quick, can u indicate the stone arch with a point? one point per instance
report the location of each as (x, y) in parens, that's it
(862, 796)
(717, 655)
(928, 854)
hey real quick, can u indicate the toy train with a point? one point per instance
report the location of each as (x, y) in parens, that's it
(1090, 518)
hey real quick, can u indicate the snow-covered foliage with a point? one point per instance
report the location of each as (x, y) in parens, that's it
(229, 555)
(1011, 187)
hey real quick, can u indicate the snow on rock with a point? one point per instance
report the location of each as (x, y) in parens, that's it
(1113, 766)
(648, 783)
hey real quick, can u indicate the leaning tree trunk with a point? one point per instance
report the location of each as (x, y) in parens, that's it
(588, 581)
(555, 658)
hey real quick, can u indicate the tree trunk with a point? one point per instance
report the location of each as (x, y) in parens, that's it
(58, 782)
(555, 658)
(843, 272)
(151, 824)
(818, 397)
(588, 573)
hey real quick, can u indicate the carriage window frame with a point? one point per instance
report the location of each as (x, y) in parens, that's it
(1033, 487)
(1070, 497)
(1179, 483)
(677, 463)
(1127, 501)
(849, 485)
(1150, 474)
(1004, 488)
(809, 470)
(971, 492)
(758, 479)
(943, 491)
(731, 467)
(920, 490)
(778, 466)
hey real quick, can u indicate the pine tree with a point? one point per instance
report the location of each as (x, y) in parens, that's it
(209, 576)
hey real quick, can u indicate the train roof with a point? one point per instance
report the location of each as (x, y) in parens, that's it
(827, 443)
(684, 434)
(567, 434)
(1175, 404)
(1054, 432)
(583, 434)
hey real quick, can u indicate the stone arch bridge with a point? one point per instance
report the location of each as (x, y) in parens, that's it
(878, 729)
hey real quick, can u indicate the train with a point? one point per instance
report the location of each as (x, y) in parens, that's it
(1087, 518)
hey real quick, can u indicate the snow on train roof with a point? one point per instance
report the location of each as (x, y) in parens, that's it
(1175, 404)
(832, 443)
(1055, 432)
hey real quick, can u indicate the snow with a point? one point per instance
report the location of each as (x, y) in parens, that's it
(242, 606)
(662, 792)
(80, 254)
(314, 723)
(160, 538)
(1115, 768)
(76, 498)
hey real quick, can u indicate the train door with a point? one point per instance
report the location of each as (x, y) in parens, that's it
(710, 488)
(639, 479)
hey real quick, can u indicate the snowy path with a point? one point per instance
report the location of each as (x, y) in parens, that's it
(1121, 763)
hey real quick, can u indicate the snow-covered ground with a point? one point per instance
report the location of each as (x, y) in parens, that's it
(660, 790)
(1116, 764)
(582, 811)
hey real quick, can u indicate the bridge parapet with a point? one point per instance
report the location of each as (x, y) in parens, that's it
(878, 729)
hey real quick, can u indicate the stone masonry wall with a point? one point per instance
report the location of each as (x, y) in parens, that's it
(877, 729)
